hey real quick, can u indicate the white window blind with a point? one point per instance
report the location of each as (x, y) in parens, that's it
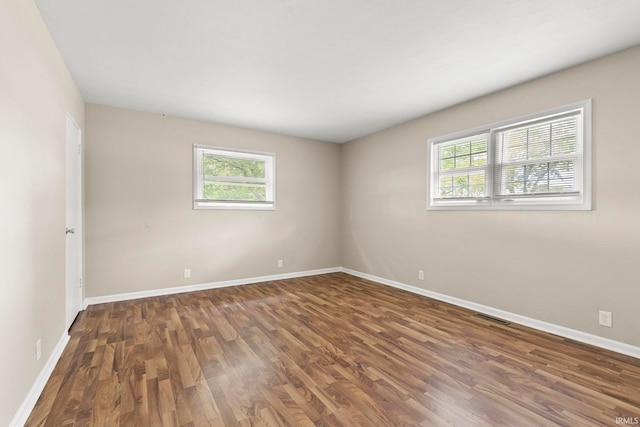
(228, 179)
(541, 158)
(537, 162)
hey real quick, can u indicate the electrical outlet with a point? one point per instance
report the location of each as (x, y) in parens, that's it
(420, 275)
(38, 350)
(187, 273)
(280, 263)
(605, 318)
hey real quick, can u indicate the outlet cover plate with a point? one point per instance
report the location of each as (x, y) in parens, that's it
(605, 318)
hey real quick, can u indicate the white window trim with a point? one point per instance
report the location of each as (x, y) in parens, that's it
(270, 178)
(583, 202)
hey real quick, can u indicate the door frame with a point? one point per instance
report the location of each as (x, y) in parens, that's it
(73, 146)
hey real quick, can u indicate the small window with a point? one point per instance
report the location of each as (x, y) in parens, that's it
(231, 179)
(538, 162)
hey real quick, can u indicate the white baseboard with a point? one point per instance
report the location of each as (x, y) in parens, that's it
(36, 389)
(562, 331)
(204, 286)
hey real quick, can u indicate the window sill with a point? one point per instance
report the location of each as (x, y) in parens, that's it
(234, 206)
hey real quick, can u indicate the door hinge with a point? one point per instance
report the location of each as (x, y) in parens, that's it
(79, 148)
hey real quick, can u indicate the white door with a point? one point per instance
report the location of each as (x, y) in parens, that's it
(74, 221)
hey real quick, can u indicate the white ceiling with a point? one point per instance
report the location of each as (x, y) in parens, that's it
(332, 70)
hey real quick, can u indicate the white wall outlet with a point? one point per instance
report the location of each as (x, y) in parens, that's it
(38, 350)
(420, 275)
(605, 318)
(280, 263)
(187, 273)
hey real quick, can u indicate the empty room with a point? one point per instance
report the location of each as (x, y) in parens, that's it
(329, 213)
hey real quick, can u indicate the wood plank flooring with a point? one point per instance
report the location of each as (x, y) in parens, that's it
(328, 350)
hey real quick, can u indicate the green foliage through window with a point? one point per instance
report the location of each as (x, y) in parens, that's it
(456, 180)
(230, 167)
(237, 170)
(233, 179)
(464, 155)
(233, 191)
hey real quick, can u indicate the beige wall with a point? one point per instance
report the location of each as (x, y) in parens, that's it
(559, 267)
(36, 92)
(141, 231)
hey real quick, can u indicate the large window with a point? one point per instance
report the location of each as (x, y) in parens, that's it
(230, 179)
(536, 162)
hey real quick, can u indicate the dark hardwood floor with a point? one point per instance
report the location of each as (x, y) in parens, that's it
(329, 350)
